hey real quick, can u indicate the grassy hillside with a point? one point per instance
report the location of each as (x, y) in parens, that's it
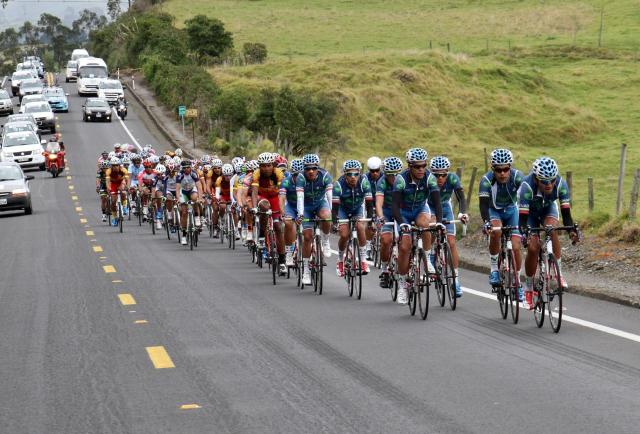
(545, 95)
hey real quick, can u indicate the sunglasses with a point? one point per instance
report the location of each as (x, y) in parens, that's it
(440, 175)
(546, 182)
(501, 169)
(374, 170)
(419, 166)
(352, 174)
(266, 165)
(310, 168)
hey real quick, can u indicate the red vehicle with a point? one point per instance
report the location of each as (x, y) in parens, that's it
(54, 157)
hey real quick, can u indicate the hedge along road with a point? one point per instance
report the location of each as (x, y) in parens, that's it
(142, 335)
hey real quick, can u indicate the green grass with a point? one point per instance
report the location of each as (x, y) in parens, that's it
(553, 93)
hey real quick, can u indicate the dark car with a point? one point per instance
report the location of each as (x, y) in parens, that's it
(96, 109)
(14, 188)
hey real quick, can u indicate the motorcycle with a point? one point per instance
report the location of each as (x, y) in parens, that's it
(54, 158)
(121, 110)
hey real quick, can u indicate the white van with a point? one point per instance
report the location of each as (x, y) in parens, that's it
(79, 53)
(91, 71)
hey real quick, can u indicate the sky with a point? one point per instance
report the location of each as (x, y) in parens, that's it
(19, 11)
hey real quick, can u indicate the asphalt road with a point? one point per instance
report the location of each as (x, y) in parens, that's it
(210, 346)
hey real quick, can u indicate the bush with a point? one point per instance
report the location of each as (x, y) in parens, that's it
(254, 52)
(207, 36)
(595, 220)
(231, 108)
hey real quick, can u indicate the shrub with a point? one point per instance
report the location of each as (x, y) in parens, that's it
(231, 108)
(207, 36)
(595, 220)
(254, 52)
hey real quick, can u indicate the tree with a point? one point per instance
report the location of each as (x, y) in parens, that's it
(48, 25)
(254, 52)
(113, 8)
(86, 23)
(30, 34)
(207, 37)
(10, 43)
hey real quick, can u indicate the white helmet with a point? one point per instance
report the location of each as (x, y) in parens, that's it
(154, 159)
(227, 169)
(216, 162)
(112, 154)
(374, 163)
(115, 161)
(178, 152)
(266, 158)
(160, 169)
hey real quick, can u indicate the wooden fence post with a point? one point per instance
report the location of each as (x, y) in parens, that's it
(474, 172)
(456, 208)
(590, 192)
(570, 184)
(633, 203)
(486, 161)
(623, 157)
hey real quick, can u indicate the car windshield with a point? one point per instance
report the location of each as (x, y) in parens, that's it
(21, 75)
(37, 107)
(32, 82)
(20, 140)
(20, 117)
(97, 103)
(72, 64)
(93, 72)
(10, 173)
(110, 85)
(4, 94)
(16, 128)
(54, 92)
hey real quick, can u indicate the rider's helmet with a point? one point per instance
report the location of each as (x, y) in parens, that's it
(117, 146)
(501, 156)
(266, 158)
(392, 165)
(178, 152)
(104, 155)
(235, 160)
(147, 164)
(281, 162)
(177, 160)
(135, 158)
(216, 162)
(130, 147)
(126, 161)
(311, 160)
(207, 167)
(351, 165)
(238, 167)
(160, 169)
(297, 166)
(205, 159)
(105, 164)
(439, 162)
(185, 164)
(227, 170)
(253, 165)
(374, 163)
(171, 166)
(416, 154)
(111, 155)
(115, 161)
(545, 169)
(144, 155)
(154, 159)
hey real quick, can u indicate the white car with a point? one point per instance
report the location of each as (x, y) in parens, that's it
(110, 90)
(6, 105)
(25, 148)
(31, 98)
(71, 71)
(79, 53)
(18, 77)
(41, 111)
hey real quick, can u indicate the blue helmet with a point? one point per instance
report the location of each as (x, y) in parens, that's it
(501, 157)
(297, 165)
(392, 165)
(439, 162)
(416, 154)
(351, 165)
(545, 168)
(311, 160)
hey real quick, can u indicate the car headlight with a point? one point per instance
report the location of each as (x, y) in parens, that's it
(20, 192)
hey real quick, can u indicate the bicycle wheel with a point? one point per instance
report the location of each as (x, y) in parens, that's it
(129, 203)
(232, 230)
(139, 209)
(228, 222)
(512, 284)
(120, 216)
(501, 294)
(152, 212)
(357, 269)
(421, 284)
(165, 220)
(348, 267)
(440, 281)
(450, 277)
(375, 247)
(320, 266)
(275, 258)
(538, 295)
(413, 297)
(554, 295)
(392, 276)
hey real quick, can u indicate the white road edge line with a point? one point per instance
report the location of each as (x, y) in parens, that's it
(565, 317)
(4, 80)
(115, 113)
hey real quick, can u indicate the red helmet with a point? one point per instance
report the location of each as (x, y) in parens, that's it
(281, 161)
(147, 164)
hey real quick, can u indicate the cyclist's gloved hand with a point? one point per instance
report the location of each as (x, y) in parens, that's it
(405, 228)
(575, 236)
(97, 189)
(486, 228)
(464, 218)
(441, 227)
(299, 219)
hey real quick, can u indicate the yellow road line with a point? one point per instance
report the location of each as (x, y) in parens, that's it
(97, 249)
(109, 268)
(140, 321)
(78, 208)
(127, 299)
(159, 357)
(116, 281)
(74, 197)
(71, 187)
(103, 257)
(90, 233)
(68, 177)
(83, 220)
(189, 406)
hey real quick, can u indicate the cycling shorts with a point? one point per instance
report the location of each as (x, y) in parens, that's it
(389, 224)
(411, 215)
(536, 217)
(290, 211)
(508, 216)
(447, 214)
(186, 195)
(343, 214)
(311, 212)
(115, 187)
(274, 202)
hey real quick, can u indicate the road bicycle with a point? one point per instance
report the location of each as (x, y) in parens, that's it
(192, 230)
(229, 226)
(352, 257)
(445, 275)
(269, 250)
(417, 277)
(507, 290)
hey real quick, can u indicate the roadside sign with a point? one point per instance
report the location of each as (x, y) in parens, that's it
(191, 113)
(182, 110)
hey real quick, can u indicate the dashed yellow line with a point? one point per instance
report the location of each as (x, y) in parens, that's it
(71, 187)
(79, 208)
(160, 358)
(83, 220)
(90, 233)
(141, 321)
(74, 197)
(68, 177)
(97, 249)
(116, 281)
(109, 269)
(127, 299)
(189, 407)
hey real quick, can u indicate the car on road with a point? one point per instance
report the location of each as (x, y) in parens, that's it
(6, 105)
(19, 126)
(57, 98)
(25, 148)
(110, 90)
(91, 71)
(79, 53)
(30, 86)
(21, 117)
(71, 73)
(41, 111)
(17, 78)
(31, 98)
(14, 188)
(96, 109)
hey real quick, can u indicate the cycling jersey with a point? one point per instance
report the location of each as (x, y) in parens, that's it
(169, 184)
(187, 182)
(533, 200)
(102, 177)
(288, 189)
(223, 189)
(268, 187)
(502, 195)
(351, 200)
(373, 182)
(414, 192)
(116, 176)
(314, 191)
(135, 171)
(448, 188)
(147, 179)
(385, 188)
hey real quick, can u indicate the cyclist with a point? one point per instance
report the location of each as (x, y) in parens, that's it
(314, 191)
(186, 189)
(169, 190)
(246, 193)
(117, 149)
(411, 190)
(351, 194)
(373, 175)
(147, 180)
(212, 174)
(282, 164)
(223, 195)
(449, 184)
(135, 169)
(104, 156)
(117, 181)
(157, 192)
(538, 197)
(498, 193)
(288, 204)
(101, 187)
(384, 214)
(266, 185)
